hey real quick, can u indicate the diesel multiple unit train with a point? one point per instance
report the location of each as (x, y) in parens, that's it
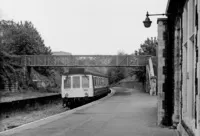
(79, 85)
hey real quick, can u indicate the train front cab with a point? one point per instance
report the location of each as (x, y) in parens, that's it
(76, 89)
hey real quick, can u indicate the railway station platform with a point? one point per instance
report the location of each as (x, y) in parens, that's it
(18, 96)
(128, 112)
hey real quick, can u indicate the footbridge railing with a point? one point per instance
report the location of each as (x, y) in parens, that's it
(83, 60)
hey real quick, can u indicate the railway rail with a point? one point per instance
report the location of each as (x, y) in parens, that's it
(28, 102)
(10, 106)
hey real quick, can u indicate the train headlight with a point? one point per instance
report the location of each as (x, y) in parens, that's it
(66, 95)
(86, 95)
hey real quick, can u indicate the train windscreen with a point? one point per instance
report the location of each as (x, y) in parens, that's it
(85, 81)
(76, 81)
(67, 82)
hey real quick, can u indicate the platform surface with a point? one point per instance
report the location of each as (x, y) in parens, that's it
(128, 112)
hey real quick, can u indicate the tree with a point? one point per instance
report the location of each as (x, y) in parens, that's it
(116, 73)
(5, 67)
(22, 39)
(19, 39)
(148, 47)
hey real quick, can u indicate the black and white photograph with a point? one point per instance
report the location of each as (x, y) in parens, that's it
(99, 68)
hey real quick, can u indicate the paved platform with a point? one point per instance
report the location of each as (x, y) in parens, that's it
(128, 112)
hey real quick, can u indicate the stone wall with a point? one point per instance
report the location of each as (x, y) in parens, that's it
(162, 30)
(182, 85)
(177, 72)
(13, 87)
(165, 72)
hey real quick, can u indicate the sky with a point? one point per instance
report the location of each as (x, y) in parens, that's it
(81, 27)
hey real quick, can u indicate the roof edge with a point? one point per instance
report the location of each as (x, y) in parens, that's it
(175, 6)
(169, 1)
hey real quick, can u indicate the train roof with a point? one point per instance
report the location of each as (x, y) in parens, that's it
(74, 71)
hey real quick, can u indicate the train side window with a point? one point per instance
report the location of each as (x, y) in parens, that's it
(94, 81)
(98, 81)
(104, 81)
(67, 82)
(76, 81)
(85, 81)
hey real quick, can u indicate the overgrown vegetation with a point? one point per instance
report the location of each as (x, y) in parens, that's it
(147, 48)
(22, 38)
(19, 39)
(118, 73)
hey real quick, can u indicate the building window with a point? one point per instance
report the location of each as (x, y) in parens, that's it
(191, 19)
(189, 58)
(185, 24)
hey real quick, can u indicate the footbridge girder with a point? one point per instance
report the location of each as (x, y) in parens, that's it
(83, 60)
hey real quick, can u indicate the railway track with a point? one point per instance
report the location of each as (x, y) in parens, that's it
(28, 102)
(23, 104)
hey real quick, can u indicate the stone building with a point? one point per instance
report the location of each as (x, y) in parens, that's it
(178, 57)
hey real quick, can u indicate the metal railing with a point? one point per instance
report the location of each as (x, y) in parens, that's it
(83, 60)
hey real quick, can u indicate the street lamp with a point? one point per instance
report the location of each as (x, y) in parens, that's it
(147, 22)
